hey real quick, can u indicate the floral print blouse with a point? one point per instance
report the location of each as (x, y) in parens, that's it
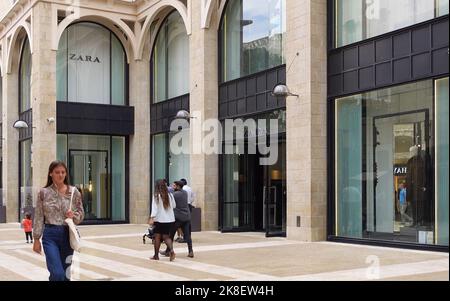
(52, 206)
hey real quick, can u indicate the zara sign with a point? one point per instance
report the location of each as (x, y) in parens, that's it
(84, 58)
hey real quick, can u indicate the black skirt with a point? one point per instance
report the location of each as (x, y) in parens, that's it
(163, 228)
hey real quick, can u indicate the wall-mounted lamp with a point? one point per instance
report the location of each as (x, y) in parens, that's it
(20, 124)
(183, 114)
(282, 90)
(51, 120)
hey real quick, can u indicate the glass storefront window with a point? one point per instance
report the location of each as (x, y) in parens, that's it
(168, 164)
(25, 78)
(252, 37)
(442, 160)
(385, 164)
(91, 66)
(97, 166)
(26, 177)
(357, 20)
(170, 60)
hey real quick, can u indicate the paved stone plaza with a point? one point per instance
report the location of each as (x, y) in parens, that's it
(116, 253)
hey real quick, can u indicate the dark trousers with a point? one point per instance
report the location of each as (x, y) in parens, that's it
(29, 236)
(58, 253)
(185, 226)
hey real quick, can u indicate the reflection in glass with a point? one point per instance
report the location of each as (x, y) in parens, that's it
(90, 66)
(442, 160)
(97, 167)
(384, 165)
(26, 177)
(357, 20)
(170, 60)
(25, 78)
(252, 35)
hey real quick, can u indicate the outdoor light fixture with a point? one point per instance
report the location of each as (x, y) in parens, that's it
(282, 90)
(51, 120)
(183, 114)
(20, 124)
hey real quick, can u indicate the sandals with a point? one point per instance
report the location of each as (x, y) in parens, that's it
(154, 258)
(172, 256)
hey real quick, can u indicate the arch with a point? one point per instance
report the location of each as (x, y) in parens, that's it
(222, 6)
(209, 7)
(109, 23)
(153, 13)
(15, 42)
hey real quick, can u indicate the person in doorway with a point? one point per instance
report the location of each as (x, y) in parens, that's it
(27, 225)
(191, 200)
(182, 218)
(403, 204)
(53, 207)
(162, 218)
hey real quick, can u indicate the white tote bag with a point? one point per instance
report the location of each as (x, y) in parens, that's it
(75, 239)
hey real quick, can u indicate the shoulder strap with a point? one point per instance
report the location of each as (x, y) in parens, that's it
(71, 197)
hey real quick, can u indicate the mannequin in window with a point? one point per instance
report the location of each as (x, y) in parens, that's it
(416, 181)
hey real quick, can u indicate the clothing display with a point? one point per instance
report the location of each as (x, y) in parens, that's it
(418, 182)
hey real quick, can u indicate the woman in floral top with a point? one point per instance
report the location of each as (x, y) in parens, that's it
(52, 208)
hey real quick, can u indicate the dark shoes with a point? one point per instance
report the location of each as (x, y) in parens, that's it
(172, 256)
(191, 254)
(154, 258)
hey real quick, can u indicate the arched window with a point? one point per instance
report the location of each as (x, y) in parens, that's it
(91, 66)
(25, 77)
(170, 60)
(252, 37)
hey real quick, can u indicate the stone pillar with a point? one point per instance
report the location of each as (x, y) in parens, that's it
(10, 172)
(139, 170)
(307, 119)
(204, 100)
(43, 95)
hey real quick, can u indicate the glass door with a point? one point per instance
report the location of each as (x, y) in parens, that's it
(89, 173)
(275, 194)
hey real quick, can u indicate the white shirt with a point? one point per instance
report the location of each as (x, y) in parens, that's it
(161, 215)
(191, 195)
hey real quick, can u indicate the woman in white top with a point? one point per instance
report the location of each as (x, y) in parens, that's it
(162, 217)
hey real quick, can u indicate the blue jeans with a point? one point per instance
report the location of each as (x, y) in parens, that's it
(58, 252)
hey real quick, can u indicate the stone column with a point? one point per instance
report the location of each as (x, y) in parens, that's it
(204, 100)
(139, 171)
(10, 172)
(307, 119)
(43, 95)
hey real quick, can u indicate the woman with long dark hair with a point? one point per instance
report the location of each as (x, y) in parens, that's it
(162, 217)
(54, 205)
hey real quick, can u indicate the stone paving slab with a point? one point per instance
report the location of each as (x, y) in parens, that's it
(117, 253)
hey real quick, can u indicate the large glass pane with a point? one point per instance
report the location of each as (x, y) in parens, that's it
(171, 60)
(118, 63)
(177, 57)
(349, 167)
(118, 178)
(26, 179)
(442, 8)
(61, 68)
(90, 66)
(384, 164)
(89, 167)
(89, 63)
(160, 153)
(160, 67)
(252, 34)
(25, 78)
(61, 149)
(179, 159)
(357, 20)
(442, 159)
